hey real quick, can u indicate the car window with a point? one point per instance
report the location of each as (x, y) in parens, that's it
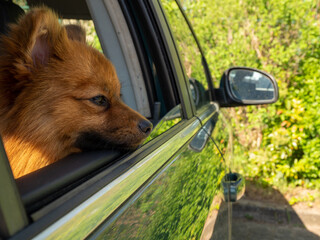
(166, 114)
(190, 53)
(161, 105)
(164, 99)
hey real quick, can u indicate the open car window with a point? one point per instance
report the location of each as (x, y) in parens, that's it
(144, 85)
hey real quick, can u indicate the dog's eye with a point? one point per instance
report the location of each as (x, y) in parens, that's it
(100, 100)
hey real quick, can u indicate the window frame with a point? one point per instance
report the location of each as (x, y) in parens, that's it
(165, 51)
(203, 60)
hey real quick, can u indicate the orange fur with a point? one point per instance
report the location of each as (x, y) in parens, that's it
(46, 83)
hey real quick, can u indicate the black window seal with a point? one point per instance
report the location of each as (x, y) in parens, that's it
(139, 12)
(164, 52)
(141, 53)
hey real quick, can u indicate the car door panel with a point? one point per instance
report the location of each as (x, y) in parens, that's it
(220, 137)
(174, 204)
(102, 204)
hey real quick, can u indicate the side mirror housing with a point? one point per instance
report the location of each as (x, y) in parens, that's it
(242, 86)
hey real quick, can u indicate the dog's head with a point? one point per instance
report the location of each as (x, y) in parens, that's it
(58, 92)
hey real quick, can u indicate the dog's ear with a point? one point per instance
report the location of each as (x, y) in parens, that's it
(46, 35)
(40, 51)
(76, 33)
(29, 45)
(36, 37)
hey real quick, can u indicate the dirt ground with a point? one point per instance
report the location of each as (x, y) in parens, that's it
(264, 213)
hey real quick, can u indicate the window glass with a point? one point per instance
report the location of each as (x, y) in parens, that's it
(163, 95)
(189, 52)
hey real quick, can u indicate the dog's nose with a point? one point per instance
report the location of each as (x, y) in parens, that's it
(145, 126)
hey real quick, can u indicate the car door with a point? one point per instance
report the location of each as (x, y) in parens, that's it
(174, 203)
(164, 189)
(214, 124)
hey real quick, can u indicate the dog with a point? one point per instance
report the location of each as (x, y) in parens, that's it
(59, 95)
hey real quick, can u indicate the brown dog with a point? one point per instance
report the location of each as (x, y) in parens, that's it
(59, 96)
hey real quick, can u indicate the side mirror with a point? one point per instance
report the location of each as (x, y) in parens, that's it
(241, 86)
(233, 186)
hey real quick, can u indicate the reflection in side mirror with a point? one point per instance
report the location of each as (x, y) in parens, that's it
(201, 138)
(198, 93)
(233, 186)
(242, 86)
(248, 85)
(171, 118)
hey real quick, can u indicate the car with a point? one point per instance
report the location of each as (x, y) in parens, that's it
(165, 188)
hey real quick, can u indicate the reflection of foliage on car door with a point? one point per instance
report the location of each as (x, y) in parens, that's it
(223, 137)
(176, 204)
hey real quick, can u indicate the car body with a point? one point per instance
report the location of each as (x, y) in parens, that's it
(164, 189)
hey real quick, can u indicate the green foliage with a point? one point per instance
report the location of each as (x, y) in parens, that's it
(278, 143)
(308, 198)
(22, 3)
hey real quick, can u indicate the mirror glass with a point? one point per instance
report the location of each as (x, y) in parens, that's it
(247, 84)
(173, 117)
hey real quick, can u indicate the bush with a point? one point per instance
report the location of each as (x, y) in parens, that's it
(279, 143)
